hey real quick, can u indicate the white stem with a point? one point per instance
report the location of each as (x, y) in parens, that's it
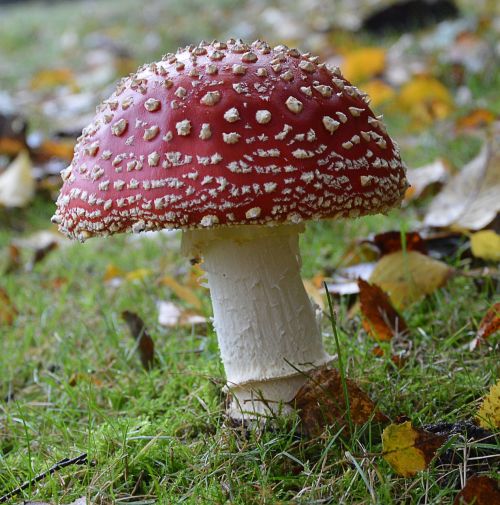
(265, 322)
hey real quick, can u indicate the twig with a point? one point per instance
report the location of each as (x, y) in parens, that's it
(79, 460)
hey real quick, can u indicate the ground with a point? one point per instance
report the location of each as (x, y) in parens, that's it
(70, 379)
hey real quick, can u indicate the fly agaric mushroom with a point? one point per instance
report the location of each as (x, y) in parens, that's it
(237, 145)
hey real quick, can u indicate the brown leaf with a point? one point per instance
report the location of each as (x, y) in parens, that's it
(12, 134)
(41, 253)
(321, 403)
(408, 449)
(8, 312)
(479, 490)
(490, 322)
(392, 241)
(13, 259)
(380, 319)
(145, 344)
(477, 118)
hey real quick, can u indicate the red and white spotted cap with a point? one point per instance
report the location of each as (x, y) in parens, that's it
(225, 134)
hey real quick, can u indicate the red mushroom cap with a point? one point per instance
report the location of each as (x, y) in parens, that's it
(228, 134)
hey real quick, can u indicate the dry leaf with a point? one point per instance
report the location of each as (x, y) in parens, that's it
(112, 273)
(422, 177)
(321, 403)
(48, 149)
(380, 319)
(183, 292)
(17, 184)
(12, 134)
(490, 322)
(52, 78)
(171, 315)
(392, 241)
(345, 280)
(145, 344)
(84, 377)
(470, 199)
(476, 119)
(479, 490)
(8, 312)
(379, 92)
(409, 450)
(363, 63)
(488, 414)
(408, 276)
(13, 259)
(485, 244)
(425, 99)
(314, 292)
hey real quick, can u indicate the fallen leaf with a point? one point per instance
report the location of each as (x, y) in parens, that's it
(392, 241)
(409, 450)
(363, 63)
(321, 403)
(48, 149)
(52, 78)
(138, 275)
(13, 259)
(78, 377)
(8, 312)
(112, 273)
(479, 490)
(183, 292)
(380, 319)
(425, 99)
(407, 276)
(344, 281)
(12, 134)
(171, 315)
(17, 184)
(421, 178)
(379, 92)
(476, 119)
(485, 244)
(488, 414)
(314, 293)
(490, 322)
(470, 199)
(145, 345)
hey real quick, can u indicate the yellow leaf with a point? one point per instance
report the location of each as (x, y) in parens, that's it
(112, 272)
(314, 293)
(379, 92)
(407, 276)
(409, 450)
(52, 78)
(17, 184)
(489, 411)
(138, 275)
(363, 63)
(182, 292)
(425, 99)
(485, 244)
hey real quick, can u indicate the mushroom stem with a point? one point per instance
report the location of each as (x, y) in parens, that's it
(265, 322)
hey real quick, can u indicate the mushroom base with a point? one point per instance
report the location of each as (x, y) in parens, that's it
(266, 325)
(264, 399)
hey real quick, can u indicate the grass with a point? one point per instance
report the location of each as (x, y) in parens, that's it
(70, 381)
